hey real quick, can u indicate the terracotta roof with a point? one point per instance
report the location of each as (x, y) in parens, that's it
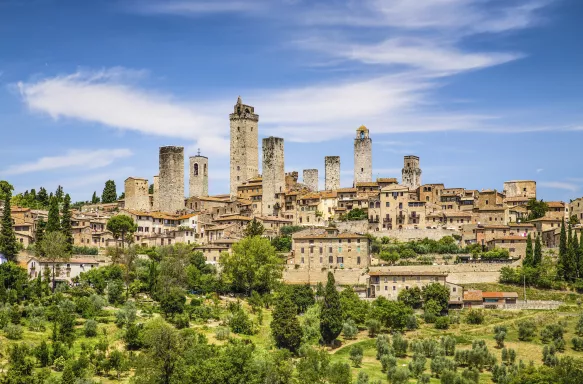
(473, 295)
(273, 218)
(521, 225)
(516, 238)
(215, 199)
(234, 217)
(406, 273)
(220, 227)
(326, 236)
(211, 246)
(499, 295)
(556, 204)
(386, 180)
(367, 184)
(346, 190)
(546, 219)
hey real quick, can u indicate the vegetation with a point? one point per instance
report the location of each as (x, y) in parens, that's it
(109, 194)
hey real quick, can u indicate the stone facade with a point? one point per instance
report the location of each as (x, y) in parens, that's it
(362, 156)
(273, 175)
(244, 145)
(198, 178)
(411, 173)
(332, 164)
(171, 188)
(136, 194)
(520, 188)
(156, 194)
(576, 208)
(310, 178)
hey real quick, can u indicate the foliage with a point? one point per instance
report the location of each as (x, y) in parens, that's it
(411, 297)
(90, 328)
(172, 301)
(331, 312)
(442, 322)
(526, 330)
(353, 308)
(536, 209)
(349, 329)
(8, 244)
(254, 228)
(438, 293)
(391, 314)
(54, 248)
(109, 194)
(475, 316)
(373, 326)
(356, 354)
(285, 327)
(120, 226)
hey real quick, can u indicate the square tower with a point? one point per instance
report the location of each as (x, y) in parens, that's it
(411, 173)
(332, 172)
(362, 156)
(171, 189)
(136, 194)
(311, 179)
(198, 178)
(244, 145)
(273, 178)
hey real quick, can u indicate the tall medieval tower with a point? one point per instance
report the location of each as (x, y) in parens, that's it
(411, 173)
(362, 156)
(310, 178)
(198, 179)
(273, 178)
(171, 188)
(244, 145)
(332, 172)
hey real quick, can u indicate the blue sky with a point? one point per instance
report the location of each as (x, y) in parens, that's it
(483, 91)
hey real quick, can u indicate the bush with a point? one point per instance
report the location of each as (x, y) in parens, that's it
(526, 330)
(382, 346)
(475, 317)
(90, 328)
(412, 323)
(373, 326)
(577, 343)
(239, 322)
(222, 333)
(388, 362)
(400, 345)
(551, 332)
(349, 329)
(399, 375)
(442, 322)
(448, 343)
(356, 353)
(13, 331)
(182, 321)
(59, 363)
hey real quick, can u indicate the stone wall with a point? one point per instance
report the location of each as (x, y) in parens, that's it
(308, 276)
(362, 160)
(198, 179)
(273, 173)
(244, 145)
(310, 179)
(171, 182)
(332, 165)
(520, 188)
(156, 194)
(411, 173)
(136, 194)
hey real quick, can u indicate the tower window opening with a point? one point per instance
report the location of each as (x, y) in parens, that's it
(195, 169)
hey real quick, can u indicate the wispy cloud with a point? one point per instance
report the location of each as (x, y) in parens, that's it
(110, 98)
(198, 7)
(559, 185)
(84, 159)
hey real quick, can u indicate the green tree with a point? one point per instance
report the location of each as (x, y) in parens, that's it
(8, 245)
(571, 259)
(438, 293)
(39, 235)
(576, 251)
(562, 263)
(54, 248)
(109, 194)
(68, 375)
(120, 226)
(356, 354)
(42, 197)
(53, 221)
(536, 209)
(392, 314)
(331, 313)
(285, 326)
(538, 252)
(353, 307)
(5, 188)
(529, 256)
(95, 199)
(253, 265)
(254, 228)
(66, 225)
(151, 189)
(340, 373)
(411, 297)
(172, 301)
(313, 365)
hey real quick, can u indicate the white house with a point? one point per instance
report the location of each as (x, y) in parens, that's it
(65, 270)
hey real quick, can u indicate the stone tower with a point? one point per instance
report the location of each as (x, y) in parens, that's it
(332, 164)
(244, 145)
(310, 179)
(411, 172)
(136, 194)
(198, 179)
(273, 179)
(156, 194)
(171, 180)
(362, 156)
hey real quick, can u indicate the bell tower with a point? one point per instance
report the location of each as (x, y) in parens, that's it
(244, 145)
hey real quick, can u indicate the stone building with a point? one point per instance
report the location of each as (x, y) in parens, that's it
(362, 156)
(171, 189)
(156, 194)
(520, 188)
(273, 178)
(136, 194)
(310, 178)
(394, 206)
(516, 245)
(390, 283)
(332, 172)
(576, 208)
(244, 145)
(411, 173)
(198, 179)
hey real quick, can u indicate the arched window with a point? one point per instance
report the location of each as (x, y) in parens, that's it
(195, 169)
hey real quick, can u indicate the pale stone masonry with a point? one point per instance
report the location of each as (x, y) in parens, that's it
(273, 175)
(171, 190)
(136, 194)
(362, 156)
(198, 176)
(332, 167)
(244, 145)
(411, 173)
(156, 194)
(310, 178)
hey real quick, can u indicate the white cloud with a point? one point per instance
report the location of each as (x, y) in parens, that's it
(109, 98)
(539, 170)
(559, 185)
(197, 7)
(85, 159)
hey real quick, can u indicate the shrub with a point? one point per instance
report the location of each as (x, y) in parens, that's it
(417, 365)
(551, 332)
(90, 328)
(383, 347)
(475, 317)
(239, 322)
(13, 331)
(349, 329)
(526, 330)
(362, 378)
(399, 375)
(182, 321)
(356, 353)
(373, 326)
(577, 343)
(59, 363)
(222, 333)
(388, 362)
(400, 345)
(442, 322)
(448, 344)
(412, 323)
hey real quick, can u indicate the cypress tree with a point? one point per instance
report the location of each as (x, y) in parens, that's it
(95, 198)
(331, 313)
(538, 252)
(577, 254)
(42, 197)
(39, 236)
(562, 252)
(59, 193)
(571, 259)
(53, 222)
(285, 326)
(66, 225)
(109, 194)
(68, 375)
(528, 257)
(7, 238)
(580, 256)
